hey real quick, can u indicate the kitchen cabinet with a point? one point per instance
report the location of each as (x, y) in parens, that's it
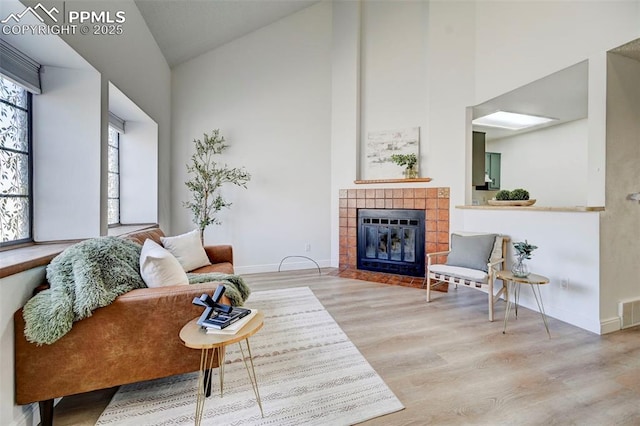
(478, 159)
(484, 165)
(492, 169)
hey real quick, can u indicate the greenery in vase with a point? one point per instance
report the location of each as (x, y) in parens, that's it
(207, 177)
(409, 160)
(524, 249)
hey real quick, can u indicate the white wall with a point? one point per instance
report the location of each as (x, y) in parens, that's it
(133, 62)
(138, 161)
(414, 68)
(519, 42)
(269, 93)
(551, 163)
(451, 63)
(568, 248)
(139, 173)
(66, 155)
(620, 221)
(345, 108)
(393, 69)
(16, 290)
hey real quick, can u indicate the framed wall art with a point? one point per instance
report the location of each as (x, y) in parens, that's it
(381, 145)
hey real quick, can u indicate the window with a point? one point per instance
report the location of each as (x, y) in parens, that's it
(114, 177)
(15, 164)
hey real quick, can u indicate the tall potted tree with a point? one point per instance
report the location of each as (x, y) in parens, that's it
(207, 177)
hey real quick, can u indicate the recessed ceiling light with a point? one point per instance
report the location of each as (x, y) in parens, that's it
(511, 120)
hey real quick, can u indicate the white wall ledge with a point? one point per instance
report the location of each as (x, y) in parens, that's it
(575, 209)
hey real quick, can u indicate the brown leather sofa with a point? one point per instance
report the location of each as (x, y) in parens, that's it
(133, 339)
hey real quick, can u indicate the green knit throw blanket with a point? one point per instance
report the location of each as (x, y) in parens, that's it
(90, 275)
(236, 289)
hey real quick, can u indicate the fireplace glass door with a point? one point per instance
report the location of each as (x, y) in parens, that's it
(391, 241)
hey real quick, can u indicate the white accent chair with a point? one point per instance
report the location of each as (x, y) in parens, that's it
(472, 261)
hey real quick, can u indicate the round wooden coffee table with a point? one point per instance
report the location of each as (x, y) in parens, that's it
(195, 337)
(534, 280)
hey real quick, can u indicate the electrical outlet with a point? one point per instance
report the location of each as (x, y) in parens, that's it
(307, 247)
(564, 283)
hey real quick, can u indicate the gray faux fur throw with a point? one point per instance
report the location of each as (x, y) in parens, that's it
(90, 275)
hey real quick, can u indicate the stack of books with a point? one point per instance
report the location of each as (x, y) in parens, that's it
(229, 323)
(221, 318)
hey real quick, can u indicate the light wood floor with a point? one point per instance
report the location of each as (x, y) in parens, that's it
(448, 365)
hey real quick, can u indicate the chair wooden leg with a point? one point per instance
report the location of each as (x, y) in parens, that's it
(428, 287)
(490, 305)
(490, 291)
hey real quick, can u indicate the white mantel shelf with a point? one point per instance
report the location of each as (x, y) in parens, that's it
(576, 209)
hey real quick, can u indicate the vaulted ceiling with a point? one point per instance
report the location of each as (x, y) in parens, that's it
(630, 50)
(185, 29)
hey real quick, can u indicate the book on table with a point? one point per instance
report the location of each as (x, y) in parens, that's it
(216, 314)
(214, 318)
(235, 326)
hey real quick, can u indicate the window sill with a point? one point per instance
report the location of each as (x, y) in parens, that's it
(23, 258)
(20, 259)
(116, 231)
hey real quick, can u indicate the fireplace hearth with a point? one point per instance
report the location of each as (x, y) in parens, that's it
(391, 241)
(434, 202)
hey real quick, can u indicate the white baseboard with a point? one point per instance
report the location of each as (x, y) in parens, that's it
(30, 416)
(292, 263)
(610, 325)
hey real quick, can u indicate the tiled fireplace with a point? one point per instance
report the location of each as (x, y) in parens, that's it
(434, 202)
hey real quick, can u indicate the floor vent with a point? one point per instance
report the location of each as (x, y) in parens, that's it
(629, 312)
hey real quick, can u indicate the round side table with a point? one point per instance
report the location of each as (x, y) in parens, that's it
(195, 337)
(513, 283)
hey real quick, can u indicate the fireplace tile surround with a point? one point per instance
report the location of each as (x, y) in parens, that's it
(434, 201)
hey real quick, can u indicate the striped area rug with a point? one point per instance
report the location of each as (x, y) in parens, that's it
(308, 372)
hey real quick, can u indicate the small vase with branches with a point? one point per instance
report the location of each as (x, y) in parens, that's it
(524, 251)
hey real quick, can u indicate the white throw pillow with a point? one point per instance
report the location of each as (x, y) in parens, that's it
(187, 248)
(159, 268)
